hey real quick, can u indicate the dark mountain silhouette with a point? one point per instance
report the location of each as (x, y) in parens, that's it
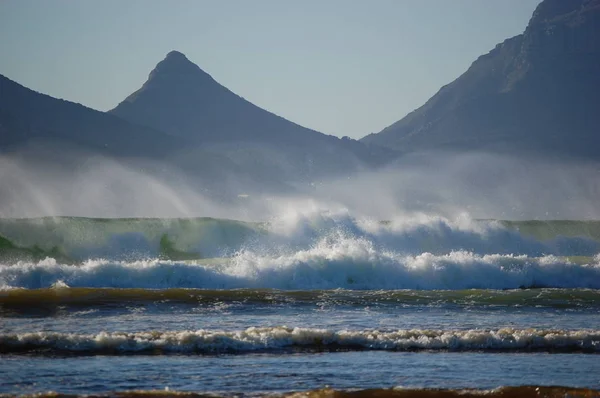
(184, 101)
(536, 92)
(185, 120)
(29, 117)
(59, 133)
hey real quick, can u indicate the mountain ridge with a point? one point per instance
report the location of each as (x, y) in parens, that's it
(175, 76)
(182, 100)
(27, 115)
(258, 151)
(535, 92)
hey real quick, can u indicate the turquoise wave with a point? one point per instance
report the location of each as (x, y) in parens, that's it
(78, 238)
(75, 239)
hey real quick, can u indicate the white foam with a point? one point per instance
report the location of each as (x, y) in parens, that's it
(281, 338)
(315, 249)
(291, 231)
(335, 262)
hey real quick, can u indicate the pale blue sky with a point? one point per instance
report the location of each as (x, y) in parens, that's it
(339, 66)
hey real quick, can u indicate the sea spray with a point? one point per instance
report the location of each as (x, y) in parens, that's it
(126, 239)
(303, 249)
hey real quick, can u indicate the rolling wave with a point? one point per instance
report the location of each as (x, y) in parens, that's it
(299, 251)
(354, 265)
(265, 339)
(77, 238)
(72, 239)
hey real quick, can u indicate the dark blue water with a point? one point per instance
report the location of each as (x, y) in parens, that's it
(281, 373)
(76, 362)
(306, 302)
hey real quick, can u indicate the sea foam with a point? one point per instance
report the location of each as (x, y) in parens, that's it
(329, 250)
(345, 264)
(304, 339)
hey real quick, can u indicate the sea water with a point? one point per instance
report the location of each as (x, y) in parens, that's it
(97, 306)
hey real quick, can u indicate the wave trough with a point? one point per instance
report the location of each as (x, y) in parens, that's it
(26, 299)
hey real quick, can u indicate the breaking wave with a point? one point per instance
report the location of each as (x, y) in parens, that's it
(299, 251)
(81, 239)
(261, 339)
(346, 264)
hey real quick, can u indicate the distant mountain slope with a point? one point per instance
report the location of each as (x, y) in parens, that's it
(236, 147)
(539, 91)
(184, 101)
(29, 117)
(59, 133)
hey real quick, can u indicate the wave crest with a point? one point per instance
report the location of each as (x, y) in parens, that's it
(304, 339)
(311, 250)
(347, 264)
(125, 239)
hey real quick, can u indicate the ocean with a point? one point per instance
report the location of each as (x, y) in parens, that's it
(317, 303)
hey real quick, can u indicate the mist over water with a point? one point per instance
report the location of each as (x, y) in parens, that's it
(121, 259)
(98, 187)
(427, 222)
(481, 185)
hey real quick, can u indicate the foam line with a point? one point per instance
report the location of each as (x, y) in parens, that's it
(304, 339)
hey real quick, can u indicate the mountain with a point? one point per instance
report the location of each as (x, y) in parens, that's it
(182, 100)
(181, 119)
(28, 117)
(537, 92)
(51, 132)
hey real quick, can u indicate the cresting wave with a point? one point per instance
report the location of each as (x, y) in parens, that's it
(398, 392)
(299, 251)
(348, 264)
(78, 239)
(278, 339)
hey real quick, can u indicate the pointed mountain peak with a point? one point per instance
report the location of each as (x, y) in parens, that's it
(175, 54)
(177, 67)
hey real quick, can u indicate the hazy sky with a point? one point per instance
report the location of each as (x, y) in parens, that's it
(342, 67)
